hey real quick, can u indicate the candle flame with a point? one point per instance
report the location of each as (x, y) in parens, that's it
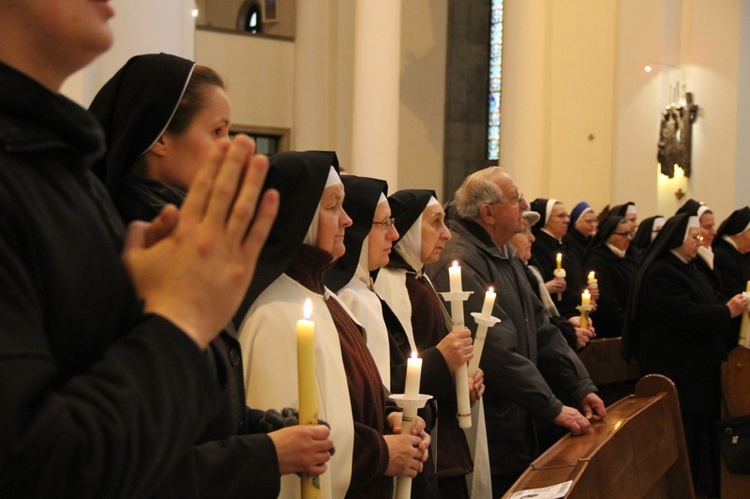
(559, 255)
(455, 263)
(591, 275)
(413, 354)
(586, 293)
(307, 309)
(491, 290)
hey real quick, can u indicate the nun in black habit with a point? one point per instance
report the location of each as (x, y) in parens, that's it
(549, 234)
(368, 246)
(305, 240)
(675, 326)
(615, 267)
(705, 259)
(152, 102)
(731, 248)
(645, 235)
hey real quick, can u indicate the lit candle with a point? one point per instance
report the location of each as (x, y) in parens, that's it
(454, 272)
(307, 381)
(489, 302)
(559, 261)
(413, 375)
(585, 301)
(592, 277)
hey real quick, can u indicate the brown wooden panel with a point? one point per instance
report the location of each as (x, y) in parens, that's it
(736, 376)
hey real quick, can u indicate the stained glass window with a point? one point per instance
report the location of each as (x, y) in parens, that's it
(496, 73)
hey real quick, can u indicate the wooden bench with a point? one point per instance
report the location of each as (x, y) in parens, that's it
(614, 377)
(736, 378)
(637, 451)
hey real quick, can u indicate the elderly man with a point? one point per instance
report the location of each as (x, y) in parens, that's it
(524, 353)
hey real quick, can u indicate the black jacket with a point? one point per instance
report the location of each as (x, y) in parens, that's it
(615, 276)
(544, 252)
(98, 400)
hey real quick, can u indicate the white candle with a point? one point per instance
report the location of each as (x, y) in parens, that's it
(454, 272)
(586, 298)
(489, 302)
(413, 376)
(308, 387)
(592, 277)
(559, 261)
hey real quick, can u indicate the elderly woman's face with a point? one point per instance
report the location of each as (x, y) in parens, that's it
(689, 249)
(332, 221)
(434, 233)
(522, 241)
(708, 229)
(381, 237)
(557, 225)
(622, 236)
(586, 224)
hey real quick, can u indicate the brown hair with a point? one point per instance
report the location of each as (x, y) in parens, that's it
(193, 99)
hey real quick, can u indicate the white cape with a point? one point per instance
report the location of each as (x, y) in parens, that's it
(391, 286)
(366, 308)
(268, 339)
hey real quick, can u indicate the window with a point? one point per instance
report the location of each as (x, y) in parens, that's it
(496, 73)
(249, 18)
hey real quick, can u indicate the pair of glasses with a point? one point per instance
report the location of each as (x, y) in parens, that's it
(515, 200)
(624, 234)
(562, 216)
(698, 238)
(386, 224)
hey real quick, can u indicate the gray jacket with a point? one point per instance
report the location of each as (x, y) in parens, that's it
(525, 357)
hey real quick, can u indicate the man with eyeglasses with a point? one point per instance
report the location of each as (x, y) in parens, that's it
(518, 399)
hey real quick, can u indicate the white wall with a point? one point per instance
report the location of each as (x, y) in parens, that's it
(139, 27)
(258, 72)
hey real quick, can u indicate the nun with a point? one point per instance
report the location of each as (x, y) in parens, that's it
(675, 326)
(581, 229)
(150, 109)
(730, 249)
(305, 240)
(645, 235)
(705, 260)
(369, 242)
(410, 294)
(627, 210)
(549, 233)
(615, 267)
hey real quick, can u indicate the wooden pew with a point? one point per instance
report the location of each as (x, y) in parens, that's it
(614, 377)
(637, 451)
(736, 378)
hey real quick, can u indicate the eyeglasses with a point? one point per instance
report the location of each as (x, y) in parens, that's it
(561, 215)
(386, 224)
(698, 238)
(514, 201)
(624, 234)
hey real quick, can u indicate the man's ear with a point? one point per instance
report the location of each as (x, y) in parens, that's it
(486, 215)
(160, 146)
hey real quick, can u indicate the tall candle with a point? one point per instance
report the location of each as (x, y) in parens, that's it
(745, 324)
(454, 273)
(413, 375)
(308, 387)
(559, 261)
(489, 302)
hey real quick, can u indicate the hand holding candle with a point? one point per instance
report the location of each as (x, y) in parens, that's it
(457, 297)
(585, 306)
(410, 402)
(308, 387)
(559, 272)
